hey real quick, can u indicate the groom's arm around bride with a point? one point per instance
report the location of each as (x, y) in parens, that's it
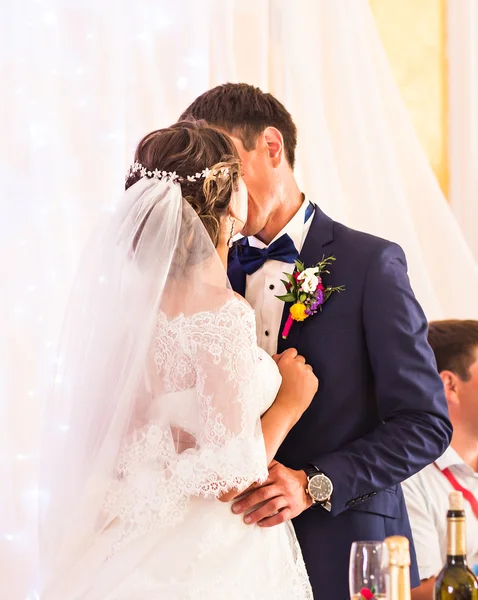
(413, 429)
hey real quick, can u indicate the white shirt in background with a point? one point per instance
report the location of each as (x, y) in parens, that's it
(264, 285)
(426, 496)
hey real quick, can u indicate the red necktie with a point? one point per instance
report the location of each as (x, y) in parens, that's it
(469, 497)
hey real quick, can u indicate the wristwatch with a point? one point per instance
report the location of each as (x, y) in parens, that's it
(319, 487)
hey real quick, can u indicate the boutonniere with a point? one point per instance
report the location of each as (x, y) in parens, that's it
(305, 288)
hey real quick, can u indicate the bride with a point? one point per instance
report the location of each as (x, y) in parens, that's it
(164, 407)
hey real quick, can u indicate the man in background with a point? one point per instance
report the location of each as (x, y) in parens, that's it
(455, 344)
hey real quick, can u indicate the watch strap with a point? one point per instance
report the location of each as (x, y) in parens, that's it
(311, 471)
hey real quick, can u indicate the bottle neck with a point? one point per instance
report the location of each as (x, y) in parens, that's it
(456, 537)
(399, 582)
(456, 560)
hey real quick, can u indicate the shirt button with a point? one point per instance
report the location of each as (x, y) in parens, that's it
(267, 333)
(272, 286)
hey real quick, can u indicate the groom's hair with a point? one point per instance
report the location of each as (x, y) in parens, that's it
(245, 111)
(455, 344)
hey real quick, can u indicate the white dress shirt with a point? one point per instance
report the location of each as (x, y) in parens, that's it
(426, 496)
(264, 285)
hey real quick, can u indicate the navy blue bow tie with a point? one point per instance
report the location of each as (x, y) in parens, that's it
(252, 259)
(283, 250)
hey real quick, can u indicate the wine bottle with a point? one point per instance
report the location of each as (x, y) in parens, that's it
(398, 578)
(456, 581)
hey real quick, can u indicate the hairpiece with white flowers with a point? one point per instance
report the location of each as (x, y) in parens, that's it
(137, 167)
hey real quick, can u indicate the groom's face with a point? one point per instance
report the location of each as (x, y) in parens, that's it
(261, 182)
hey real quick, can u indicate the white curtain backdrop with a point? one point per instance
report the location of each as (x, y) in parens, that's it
(83, 80)
(462, 51)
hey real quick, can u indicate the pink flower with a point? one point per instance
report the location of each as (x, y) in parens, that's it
(366, 594)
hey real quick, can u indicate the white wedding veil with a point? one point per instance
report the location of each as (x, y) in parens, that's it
(151, 262)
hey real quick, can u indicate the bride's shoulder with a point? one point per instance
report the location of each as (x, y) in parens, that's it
(226, 300)
(243, 302)
(213, 305)
(233, 304)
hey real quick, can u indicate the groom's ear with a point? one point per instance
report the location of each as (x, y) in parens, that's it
(275, 145)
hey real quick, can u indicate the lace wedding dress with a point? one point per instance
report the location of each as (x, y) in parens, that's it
(154, 413)
(168, 537)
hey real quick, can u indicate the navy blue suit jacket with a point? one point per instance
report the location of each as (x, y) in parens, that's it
(380, 414)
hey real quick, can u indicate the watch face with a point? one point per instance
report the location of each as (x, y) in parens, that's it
(320, 488)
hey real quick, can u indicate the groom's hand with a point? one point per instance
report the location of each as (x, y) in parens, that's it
(281, 497)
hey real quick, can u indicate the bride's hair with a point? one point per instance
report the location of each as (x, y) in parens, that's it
(187, 148)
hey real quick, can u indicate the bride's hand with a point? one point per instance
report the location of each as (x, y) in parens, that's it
(299, 384)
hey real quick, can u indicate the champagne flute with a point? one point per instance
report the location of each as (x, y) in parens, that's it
(366, 571)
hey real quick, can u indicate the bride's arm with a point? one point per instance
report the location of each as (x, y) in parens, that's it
(299, 385)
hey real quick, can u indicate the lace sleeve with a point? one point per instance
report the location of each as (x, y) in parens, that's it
(230, 444)
(200, 440)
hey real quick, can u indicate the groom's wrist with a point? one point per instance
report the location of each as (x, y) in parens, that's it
(304, 482)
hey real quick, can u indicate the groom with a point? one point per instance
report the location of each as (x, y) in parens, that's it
(380, 414)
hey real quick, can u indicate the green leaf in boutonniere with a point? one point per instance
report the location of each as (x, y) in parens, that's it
(287, 298)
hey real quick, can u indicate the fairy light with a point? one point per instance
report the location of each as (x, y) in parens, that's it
(67, 117)
(24, 457)
(182, 83)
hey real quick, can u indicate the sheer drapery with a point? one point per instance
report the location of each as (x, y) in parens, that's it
(462, 46)
(83, 81)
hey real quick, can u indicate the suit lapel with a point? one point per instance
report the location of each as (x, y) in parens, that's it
(237, 277)
(320, 234)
